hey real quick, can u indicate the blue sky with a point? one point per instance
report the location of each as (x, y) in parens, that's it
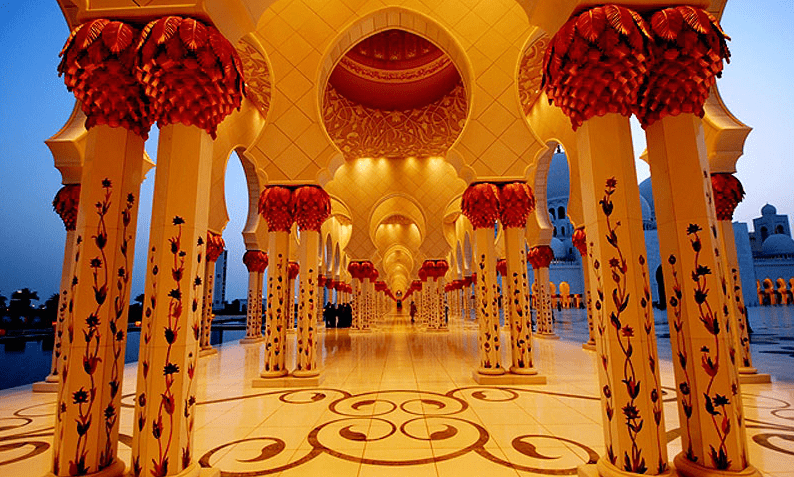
(34, 104)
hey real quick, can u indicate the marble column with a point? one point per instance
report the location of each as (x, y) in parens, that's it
(256, 262)
(215, 246)
(480, 204)
(65, 204)
(540, 257)
(631, 397)
(90, 358)
(580, 242)
(312, 208)
(700, 295)
(293, 270)
(276, 206)
(188, 108)
(728, 192)
(514, 282)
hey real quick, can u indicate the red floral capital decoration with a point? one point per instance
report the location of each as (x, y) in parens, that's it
(480, 204)
(516, 202)
(277, 207)
(354, 268)
(728, 192)
(501, 267)
(688, 52)
(312, 207)
(66, 203)
(255, 261)
(97, 64)
(579, 240)
(540, 256)
(292, 270)
(190, 72)
(321, 281)
(597, 63)
(215, 246)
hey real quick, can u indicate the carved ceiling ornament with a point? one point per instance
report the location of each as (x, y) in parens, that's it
(530, 73)
(257, 76)
(359, 131)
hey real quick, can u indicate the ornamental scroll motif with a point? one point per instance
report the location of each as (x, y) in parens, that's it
(530, 74)
(359, 131)
(257, 76)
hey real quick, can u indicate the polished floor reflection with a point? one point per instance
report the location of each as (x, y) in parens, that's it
(398, 401)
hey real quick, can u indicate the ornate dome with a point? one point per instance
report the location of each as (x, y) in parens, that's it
(646, 192)
(778, 244)
(647, 213)
(558, 247)
(395, 70)
(768, 209)
(558, 180)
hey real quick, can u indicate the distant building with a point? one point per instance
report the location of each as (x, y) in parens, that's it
(766, 254)
(219, 293)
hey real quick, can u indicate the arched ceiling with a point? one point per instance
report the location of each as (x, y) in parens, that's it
(394, 70)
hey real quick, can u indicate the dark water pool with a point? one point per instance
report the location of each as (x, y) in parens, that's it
(26, 362)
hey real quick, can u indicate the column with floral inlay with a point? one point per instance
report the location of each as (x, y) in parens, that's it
(312, 208)
(215, 246)
(65, 204)
(540, 258)
(688, 49)
(593, 71)
(579, 240)
(293, 270)
(98, 67)
(276, 205)
(480, 204)
(189, 99)
(516, 202)
(256, 262)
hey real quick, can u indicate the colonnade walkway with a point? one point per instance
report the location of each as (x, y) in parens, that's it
(397, 401)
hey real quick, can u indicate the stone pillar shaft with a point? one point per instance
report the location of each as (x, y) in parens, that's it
(709, 399)
(92, 358)
(166, 396)
(515, 300)
(253, 315)
(308, 299)
(543, 300)
(631, 401)
(277, 303)
(487, 306)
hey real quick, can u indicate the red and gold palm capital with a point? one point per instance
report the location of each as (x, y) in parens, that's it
(728, 193)
(579, 240)
(277, 207)
(540, 256)
(312, 207)
(480, 204)
(516, 202)
(215, 246)
(255, 261)
(66, 204)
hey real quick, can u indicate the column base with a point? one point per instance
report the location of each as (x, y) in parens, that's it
(116, 469)
(603, 468)
(690, 469)
(247, 340)
(507, 379)
(291, 331)
(753, 378)
(523, 371)
(589, 346)
(288, 382)
(547, 336)
(207, 352)
(273, 374)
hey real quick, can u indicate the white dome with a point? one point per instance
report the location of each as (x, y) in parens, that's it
(768, 209)
(647, 214)
(646, 192)
(558, 247)
(778, 244)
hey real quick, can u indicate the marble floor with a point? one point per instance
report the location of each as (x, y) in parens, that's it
(398, 401)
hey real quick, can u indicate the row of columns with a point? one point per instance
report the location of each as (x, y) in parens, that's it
(121, 101)
(665, 68)
(510, 203)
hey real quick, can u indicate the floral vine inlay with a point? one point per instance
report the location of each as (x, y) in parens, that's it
(710, 359)
(618, 267)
